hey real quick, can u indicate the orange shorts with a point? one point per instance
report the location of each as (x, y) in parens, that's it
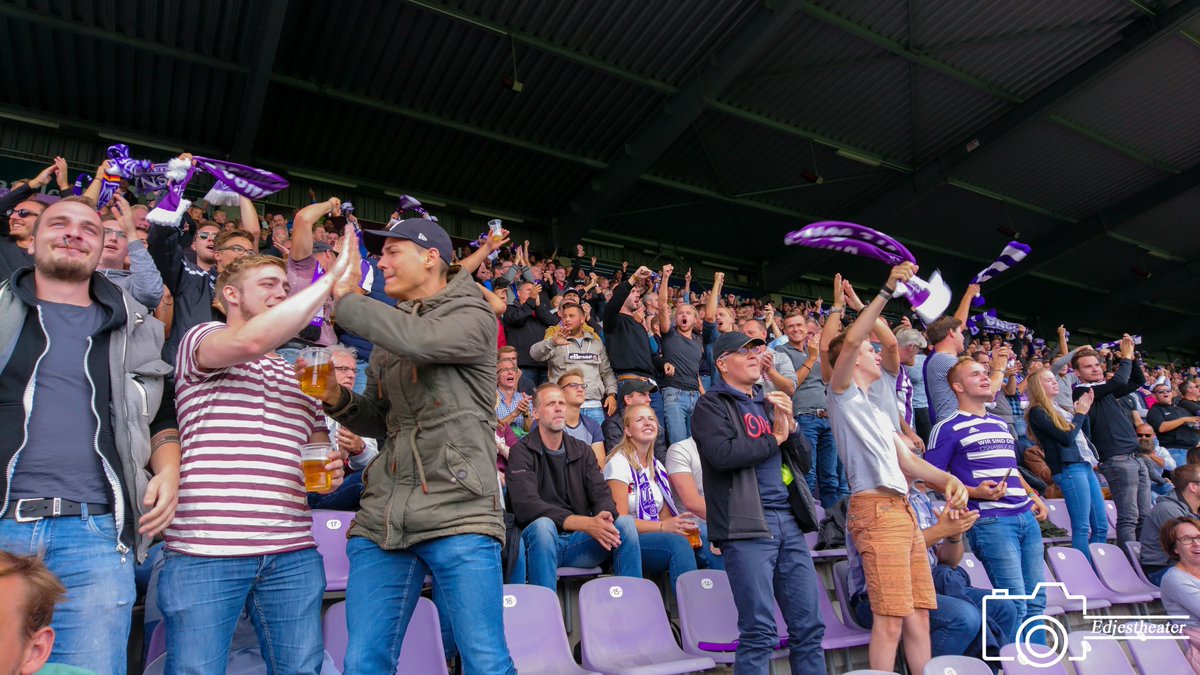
(893, 554)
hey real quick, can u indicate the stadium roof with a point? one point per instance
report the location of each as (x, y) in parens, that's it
(717, 125)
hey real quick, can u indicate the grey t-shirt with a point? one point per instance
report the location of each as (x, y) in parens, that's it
(685, 354)
(942, 401)
(810, 393)
(883, 394)
(60, 458)
(1181, 596)
(864, 438)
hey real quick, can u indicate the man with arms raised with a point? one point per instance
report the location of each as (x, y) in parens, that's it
(879, 466)
(431, 501)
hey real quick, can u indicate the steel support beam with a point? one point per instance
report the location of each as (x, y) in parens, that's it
(1050, 247)
(260, 79)
(1140, 35)
(647, 144)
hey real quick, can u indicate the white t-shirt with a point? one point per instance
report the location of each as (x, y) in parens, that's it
(865, 441)
(683, 457)
(618, 468)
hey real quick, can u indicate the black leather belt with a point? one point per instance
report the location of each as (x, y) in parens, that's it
(29, 510)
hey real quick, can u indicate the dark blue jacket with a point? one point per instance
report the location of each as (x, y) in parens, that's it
(728, 456)
(1059, 446)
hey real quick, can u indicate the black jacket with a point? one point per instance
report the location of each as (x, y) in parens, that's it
(1112, 427)
(529, 479)
(191, 287)
(626, 340)
(1059, 446)
(524, 326)
(728, 456)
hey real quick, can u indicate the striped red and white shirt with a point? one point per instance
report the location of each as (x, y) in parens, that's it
(241, 489)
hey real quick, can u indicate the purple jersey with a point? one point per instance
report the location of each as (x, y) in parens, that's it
(975, 449)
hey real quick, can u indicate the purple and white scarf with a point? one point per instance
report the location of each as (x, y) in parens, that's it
(1012, 254)
(646, 505)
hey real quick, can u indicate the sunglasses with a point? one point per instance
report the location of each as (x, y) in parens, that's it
(1145, 435)
(205, 236)
(23, 213)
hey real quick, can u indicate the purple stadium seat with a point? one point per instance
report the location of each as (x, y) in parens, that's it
(421, 651)
(1059, 517)
(564, 592)
(979, 576)
(1072, 568)
(1097, 656)
(1055, 596)
(870, 672)
(1155, 655)
(1110, 510)
(1116, 572)
(1135, 553)
(623, 628)
(534, 630)
(841, 588)
(708, 617)
(158, 643)
(838, 635)
(956, 665)
(1016, 666)
(329, 529)
(810, 538)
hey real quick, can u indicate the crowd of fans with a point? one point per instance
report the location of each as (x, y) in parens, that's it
(494, 416)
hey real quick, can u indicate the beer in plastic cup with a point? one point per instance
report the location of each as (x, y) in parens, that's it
(496, 226)
(693, 535)
(317, 372)
(313, 457)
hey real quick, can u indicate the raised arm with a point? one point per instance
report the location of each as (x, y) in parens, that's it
(490, 245)
(832, 327)
(843, 370)
(664, 314)
(302, 226)
(714, 297)
(250, 222)
(964, 305)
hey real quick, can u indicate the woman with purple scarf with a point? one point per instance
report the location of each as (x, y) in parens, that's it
(640, 488)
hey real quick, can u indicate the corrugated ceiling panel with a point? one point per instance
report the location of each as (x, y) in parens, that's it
(1158, 115)
(1173, 226)
(451, 69)
(1056, 169)
(625, 33)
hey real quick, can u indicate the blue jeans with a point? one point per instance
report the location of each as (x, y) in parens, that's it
(92, 626)
(383, 591)
(594, 414)
(705, 558)
(345, 498)
(1156, 576)
(201, 599)
(666, 552)
(1085, 505)
(1179, 455)
(780, 568)
(546, 549)
(1010, 548)
(678, 405)
(827, 477)
(1129, 482)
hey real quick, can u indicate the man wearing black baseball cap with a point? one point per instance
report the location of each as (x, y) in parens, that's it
(632, 391)
(430, 503)
(754, 461)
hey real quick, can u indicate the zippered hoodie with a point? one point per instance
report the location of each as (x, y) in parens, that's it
(431, 391)
(729, 455)
(131, 341)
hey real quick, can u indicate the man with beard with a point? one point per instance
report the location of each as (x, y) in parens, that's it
(243, 537)
(191, 285)
(560, 498)
(79, 344)
(122, 244)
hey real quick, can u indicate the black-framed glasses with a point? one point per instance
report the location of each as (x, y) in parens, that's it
(240, 250)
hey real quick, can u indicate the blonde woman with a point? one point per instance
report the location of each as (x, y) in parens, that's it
(1064, 437)
(640, 488)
